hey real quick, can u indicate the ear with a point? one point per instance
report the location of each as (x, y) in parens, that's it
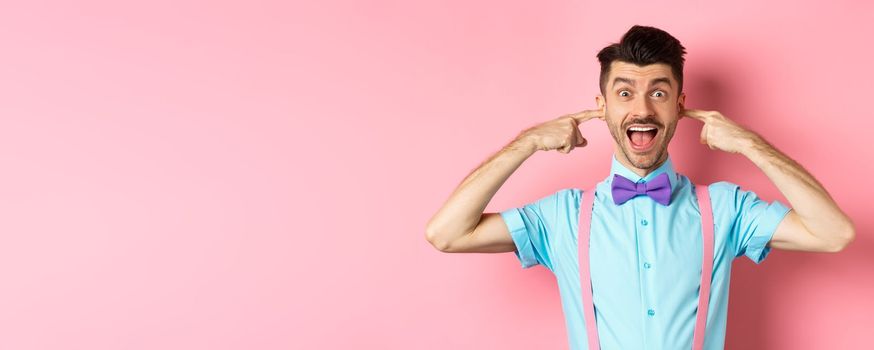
(681, 101)
(600, 101)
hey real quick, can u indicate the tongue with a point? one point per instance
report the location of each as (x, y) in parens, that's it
(641, 138)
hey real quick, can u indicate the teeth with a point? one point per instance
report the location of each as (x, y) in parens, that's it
(638, 128)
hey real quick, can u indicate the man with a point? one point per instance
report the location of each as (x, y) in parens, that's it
(645, 254)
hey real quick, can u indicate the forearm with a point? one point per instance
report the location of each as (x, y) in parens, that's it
(462, 211)
(807, 197)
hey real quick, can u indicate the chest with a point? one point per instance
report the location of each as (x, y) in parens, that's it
(639, 248)
(645, 239)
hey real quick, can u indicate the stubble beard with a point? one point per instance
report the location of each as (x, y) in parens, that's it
(649, 162)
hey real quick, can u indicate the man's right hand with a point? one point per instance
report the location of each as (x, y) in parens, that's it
(461, 225)
(562, 134)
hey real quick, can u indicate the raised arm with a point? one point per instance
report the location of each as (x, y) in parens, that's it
(460, 224)
(815, 223)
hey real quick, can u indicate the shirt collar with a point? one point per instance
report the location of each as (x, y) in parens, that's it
(667, 167)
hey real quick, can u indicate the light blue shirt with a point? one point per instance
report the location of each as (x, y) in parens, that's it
(645, 257)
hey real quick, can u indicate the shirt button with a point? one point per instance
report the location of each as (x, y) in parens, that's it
(646, 265)
(644, 222)
(650, 312)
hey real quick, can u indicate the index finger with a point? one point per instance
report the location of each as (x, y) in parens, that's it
(695, 114)
(588, 114)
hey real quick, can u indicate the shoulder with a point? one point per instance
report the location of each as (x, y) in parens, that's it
(722, 195)
(722, 190)
(731, 197)
(565, 197)
(558, 200)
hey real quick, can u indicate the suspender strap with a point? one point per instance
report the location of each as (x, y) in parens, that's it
(585, 223)
(585, 273)
(706, 265)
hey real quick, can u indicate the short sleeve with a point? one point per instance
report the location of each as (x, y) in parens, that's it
(753, 220)
(531, 227)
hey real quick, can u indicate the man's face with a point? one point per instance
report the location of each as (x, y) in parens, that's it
(642, 106)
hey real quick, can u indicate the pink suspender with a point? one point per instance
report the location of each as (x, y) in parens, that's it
(585, 273)
(706, 265)
(588, 200)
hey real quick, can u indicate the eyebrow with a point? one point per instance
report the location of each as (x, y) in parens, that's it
(651, 82)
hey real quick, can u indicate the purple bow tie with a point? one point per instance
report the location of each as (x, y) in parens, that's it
(659, 189)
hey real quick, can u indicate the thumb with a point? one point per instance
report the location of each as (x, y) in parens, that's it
(581, 141)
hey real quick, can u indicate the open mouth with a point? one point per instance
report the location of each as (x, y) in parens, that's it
(642, 137)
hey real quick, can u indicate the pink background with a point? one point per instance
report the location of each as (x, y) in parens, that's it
(258, 175)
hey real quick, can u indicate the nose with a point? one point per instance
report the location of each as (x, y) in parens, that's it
(642, 108)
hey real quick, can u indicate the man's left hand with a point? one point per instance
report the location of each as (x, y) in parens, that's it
(720, 132)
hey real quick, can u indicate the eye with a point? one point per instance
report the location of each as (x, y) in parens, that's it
(658, 93)
(624, 93)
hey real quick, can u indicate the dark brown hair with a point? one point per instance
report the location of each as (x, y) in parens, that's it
(642, 45)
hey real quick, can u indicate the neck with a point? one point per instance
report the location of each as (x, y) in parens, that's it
(642, 172)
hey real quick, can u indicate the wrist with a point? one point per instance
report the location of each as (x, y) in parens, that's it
(753, 145)
(523, 143)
